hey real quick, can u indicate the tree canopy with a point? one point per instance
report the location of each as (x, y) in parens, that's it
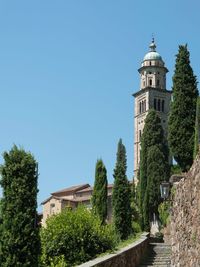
(121, 197)
(152, 142)
(19, 232)
(99, 196)
(182, 111)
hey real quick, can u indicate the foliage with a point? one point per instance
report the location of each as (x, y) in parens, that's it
(152, 136)
(197, 129)
(181, 122)
(121, 196)
(20, 238)
(75, 236)
(175, 169)
(99, 197)
(156, 173)
(134, 207)
(136, 227)
(163, 210)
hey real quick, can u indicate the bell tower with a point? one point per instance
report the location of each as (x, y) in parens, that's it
(152, 94)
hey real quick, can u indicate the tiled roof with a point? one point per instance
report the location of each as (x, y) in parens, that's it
(71, 190)
(46, 200)
(91, 188)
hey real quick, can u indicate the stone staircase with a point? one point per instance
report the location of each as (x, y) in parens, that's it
(158, 255)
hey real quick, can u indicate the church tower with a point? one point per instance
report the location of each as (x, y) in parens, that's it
(152, 94)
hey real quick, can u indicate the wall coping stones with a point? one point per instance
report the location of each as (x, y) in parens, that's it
(175, 178)
(107, 259)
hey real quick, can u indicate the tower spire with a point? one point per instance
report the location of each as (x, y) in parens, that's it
(152, 46)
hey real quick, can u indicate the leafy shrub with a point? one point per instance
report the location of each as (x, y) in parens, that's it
(136, 227)
(176, 169)
(163, 210)
(75, 236)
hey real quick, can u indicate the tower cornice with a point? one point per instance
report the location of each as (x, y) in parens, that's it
(156, 66)
(147, 89)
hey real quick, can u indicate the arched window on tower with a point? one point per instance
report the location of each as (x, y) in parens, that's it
(158, 82)
(144, 105)
(150, 82)
(158, 104)
(163, 105)
(140, 110)
(155, 103)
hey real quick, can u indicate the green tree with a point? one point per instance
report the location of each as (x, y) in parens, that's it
(156, 173)
(134, 207)
(152, 135)
(183, 109)
(197, 128)
(121, 196)
(20, 236)
(99, 196)
(75, 236)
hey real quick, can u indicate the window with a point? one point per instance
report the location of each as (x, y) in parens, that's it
(150, 82)
(158, 82)
(150, 63)
(150, 72)
(155, 103)
(144, 105)
(163, 105)
(158, 104)
(140, 110)
(143, 83)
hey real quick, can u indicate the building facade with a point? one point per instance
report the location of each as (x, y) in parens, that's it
(72, 197)
(151, 95)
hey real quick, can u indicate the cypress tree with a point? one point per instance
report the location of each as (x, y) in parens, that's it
(182, 112)
(152, 135)
(20, 238)
(121, 196)
(197, 128)
(99, 196)
(156, 173)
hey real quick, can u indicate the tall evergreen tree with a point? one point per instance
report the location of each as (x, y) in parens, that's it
(156, 173)
(20, 238)
(121, 196)
(183, 109)
(197, 129)
(99, 196)
(152, 135)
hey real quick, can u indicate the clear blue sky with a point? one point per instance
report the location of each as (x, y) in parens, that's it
(67, 73)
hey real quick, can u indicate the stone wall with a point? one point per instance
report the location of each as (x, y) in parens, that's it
(129, 256)
(185, 219)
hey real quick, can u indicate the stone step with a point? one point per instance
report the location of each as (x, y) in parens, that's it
(159, 255)
(159, 259)
(164, 265)
(157, 262)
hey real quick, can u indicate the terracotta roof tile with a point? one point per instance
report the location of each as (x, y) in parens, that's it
(71, 189)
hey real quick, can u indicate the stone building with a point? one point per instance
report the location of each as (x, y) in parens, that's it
(71, 197)
(152, 94)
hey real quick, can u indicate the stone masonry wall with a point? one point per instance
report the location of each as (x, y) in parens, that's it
(129, 256)
(185, 219)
